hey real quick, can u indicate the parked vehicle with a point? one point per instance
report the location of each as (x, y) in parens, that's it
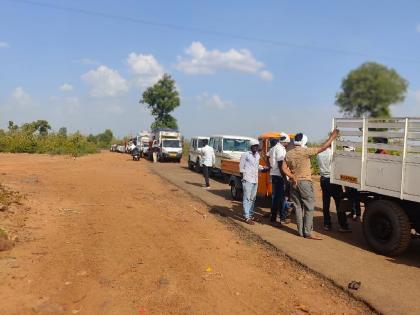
(228, 148)
(384, 167)
(194, 154)
(231, 168)
(121, 148)
(143, 140)
(114, 147)
(167, 143)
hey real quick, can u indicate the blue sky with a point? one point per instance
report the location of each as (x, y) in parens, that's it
(87, 71)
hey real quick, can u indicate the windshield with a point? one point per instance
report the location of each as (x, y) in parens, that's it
(171, 144)
(201, 143)
(239, 145)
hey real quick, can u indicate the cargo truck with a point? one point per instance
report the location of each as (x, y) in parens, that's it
(384, 167)
(167, 143)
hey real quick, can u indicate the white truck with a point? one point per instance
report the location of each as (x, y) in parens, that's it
(384, 167)
(167, 143)
(143, 140)
(228, 148)
(194, 153)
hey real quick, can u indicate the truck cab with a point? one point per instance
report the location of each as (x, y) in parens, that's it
(168, 144)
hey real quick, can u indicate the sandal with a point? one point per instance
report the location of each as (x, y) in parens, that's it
(249, 221)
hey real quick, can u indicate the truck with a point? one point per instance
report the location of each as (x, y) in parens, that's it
(231, 168)
(143, 140)
(167, 143)
(384, 168)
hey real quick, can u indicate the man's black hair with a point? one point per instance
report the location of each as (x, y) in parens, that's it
(299, 136)
(273, 142)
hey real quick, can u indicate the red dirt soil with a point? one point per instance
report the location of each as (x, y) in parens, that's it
(101, 234)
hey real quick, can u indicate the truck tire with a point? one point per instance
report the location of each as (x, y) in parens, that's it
(190, 164)
(197, 166)
(386, 227)
(236, 192)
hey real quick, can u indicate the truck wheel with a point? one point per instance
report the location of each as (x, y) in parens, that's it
(386, 227)
(236, 192)
(197, 166)
(190, 164)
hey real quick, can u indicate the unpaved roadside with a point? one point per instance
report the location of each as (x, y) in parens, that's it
(103, 235)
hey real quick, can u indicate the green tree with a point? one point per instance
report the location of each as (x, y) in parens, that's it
(369, 90)
(12, 126)
(62, 132)
(41, 126)
(162, 98)
(105, 138)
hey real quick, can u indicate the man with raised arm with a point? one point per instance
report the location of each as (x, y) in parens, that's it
(298, 169)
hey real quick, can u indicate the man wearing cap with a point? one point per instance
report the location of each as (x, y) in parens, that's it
(275, 159)
(298, 168)
(249, 166)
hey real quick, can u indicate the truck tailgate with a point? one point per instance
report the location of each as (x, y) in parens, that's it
(230, 167)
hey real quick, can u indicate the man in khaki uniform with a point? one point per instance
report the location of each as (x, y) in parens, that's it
(298, 169)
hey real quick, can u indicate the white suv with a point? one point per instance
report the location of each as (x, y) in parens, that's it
(194, 154)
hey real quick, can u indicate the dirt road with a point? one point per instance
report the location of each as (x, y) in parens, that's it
(103, 235)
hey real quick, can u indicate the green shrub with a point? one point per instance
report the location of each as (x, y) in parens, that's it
(35, 138)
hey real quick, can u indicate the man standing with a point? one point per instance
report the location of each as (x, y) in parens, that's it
(328, 189)
(275, 159)
(249, 167)
(207, 161)
(298, 168)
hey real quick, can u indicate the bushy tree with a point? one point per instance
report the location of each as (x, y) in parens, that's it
(162, 98)
(106, 137)
(62, 132)
(369, 90)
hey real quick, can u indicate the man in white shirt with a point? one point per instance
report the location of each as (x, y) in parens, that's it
(207, 161)
(275, 158)
(249, 167)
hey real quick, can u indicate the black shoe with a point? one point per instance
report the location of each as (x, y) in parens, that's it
(327, 227)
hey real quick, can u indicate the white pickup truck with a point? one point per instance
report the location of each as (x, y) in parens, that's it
(384, 167)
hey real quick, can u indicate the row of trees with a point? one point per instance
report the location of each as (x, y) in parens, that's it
(37, 137)
(367, 91)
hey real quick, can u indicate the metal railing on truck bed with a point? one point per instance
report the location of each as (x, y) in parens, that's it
(378, 155)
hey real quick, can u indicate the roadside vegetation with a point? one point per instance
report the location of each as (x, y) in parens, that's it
(37, 137)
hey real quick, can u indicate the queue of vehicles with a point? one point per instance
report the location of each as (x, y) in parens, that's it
(386, 174)
(163, 143)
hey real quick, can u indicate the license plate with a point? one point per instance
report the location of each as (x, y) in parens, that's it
(172, 154)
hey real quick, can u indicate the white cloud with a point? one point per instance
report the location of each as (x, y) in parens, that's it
(213, 101)
(199, 60)
(105, 82)
(66, 87)
(115, 109)
(87, 61)
(20, 97)
(66, 105)
(145, 68)
(418, 28)
(4, 45)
